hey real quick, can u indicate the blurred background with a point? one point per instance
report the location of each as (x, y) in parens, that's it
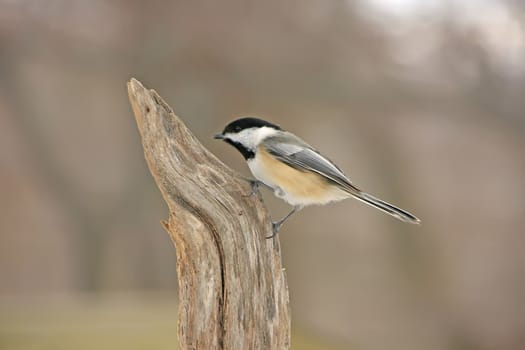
(420, 102)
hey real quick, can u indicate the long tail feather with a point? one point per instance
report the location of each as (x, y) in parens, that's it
(386, 207)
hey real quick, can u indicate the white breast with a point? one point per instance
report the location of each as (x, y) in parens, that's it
(258, 170)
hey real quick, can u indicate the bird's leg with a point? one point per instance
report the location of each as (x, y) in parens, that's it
(277, 225)
(254, 184)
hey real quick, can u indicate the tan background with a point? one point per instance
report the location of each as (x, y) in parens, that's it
(421, 103)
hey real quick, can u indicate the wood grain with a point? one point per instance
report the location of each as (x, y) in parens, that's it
(232, 287)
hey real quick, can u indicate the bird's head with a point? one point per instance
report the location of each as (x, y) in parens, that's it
(246, 134)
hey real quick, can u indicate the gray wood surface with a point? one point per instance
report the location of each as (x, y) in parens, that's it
(232, 287)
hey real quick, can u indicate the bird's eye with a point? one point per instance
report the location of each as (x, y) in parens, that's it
(238, 128)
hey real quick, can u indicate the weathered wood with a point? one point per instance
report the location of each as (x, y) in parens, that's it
(232, 287)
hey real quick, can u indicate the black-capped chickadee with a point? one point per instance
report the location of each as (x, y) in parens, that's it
(294, 170)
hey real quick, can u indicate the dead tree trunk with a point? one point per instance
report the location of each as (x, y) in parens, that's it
(232, 287)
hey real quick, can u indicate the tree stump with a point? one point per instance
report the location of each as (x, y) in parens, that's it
(232, 287)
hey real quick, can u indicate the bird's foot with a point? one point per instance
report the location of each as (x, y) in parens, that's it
(255, 184)
(275, 229)
(277, 224)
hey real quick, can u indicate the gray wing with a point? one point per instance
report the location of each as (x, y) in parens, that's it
(298, 154)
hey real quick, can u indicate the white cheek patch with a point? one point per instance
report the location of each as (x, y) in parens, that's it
(252, 137)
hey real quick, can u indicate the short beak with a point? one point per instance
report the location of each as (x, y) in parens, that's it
(219, 136)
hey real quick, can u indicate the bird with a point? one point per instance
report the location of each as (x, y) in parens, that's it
(295, 171)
